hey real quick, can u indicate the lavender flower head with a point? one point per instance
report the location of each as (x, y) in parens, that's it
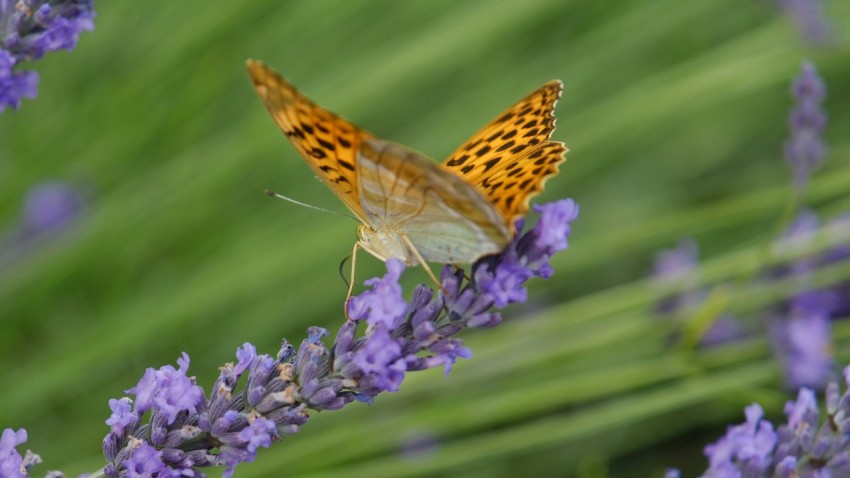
(805, 149)
(676, 270)
(261, 398)
(810, 19)
(49, 207)
(801, 325)
(29, 29)
(804, 446)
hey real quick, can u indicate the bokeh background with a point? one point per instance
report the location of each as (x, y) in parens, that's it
(675, 114)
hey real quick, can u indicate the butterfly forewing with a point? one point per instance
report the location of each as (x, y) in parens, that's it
(406, 193)
(328, 142)
(511, 157)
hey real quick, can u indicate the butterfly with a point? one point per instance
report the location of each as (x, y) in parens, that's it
(410, 207)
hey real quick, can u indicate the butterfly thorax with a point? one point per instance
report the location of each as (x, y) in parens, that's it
(386, 245)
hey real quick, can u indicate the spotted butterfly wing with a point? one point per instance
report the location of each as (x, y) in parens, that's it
(510, 159)
(327, 142)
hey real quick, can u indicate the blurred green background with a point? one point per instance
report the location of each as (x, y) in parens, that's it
(675, 114)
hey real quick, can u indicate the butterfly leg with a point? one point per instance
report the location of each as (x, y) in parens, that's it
(459, 268)
(351, 282)
(424, 264)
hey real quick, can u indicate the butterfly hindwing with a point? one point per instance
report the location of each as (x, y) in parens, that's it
(510, 158)
(327, 142)
(445, 219)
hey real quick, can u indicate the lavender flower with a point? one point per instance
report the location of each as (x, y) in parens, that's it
(12, 464)
(805, 149)
(49, 207)
(810, 19)
(188, 430)
(745, 447)
(29, 29)
(10, 459)
(676, 270)
(800, 325)
(804, 446)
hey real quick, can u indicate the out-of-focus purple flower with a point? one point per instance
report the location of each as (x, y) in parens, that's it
(810, 19)
(676, 270)
(672, 473)
(418, 444)
(804, 343)
(804, 446)
(805, 149)
(800, 325)
(678, 265)
(10, 459)
(186, 431)
(49, 207)
(29, 29)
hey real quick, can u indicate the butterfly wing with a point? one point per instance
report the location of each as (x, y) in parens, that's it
(327, 142)
(405, 193)
(510, 159)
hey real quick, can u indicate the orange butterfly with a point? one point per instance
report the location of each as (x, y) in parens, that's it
(411, 208)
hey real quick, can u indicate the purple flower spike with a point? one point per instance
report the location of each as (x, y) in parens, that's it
(29, 29)
(805, 446)
(805, 149)
(677, 270)
(810, 19)
(801, 324)
(804, 343)
(385, 338)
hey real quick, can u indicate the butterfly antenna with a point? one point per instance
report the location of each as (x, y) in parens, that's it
(273, 194)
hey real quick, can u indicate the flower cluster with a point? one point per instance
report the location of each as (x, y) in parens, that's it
(187, 430)
(800, 324)
(805, 149)
(29, 29)
(804, 446)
